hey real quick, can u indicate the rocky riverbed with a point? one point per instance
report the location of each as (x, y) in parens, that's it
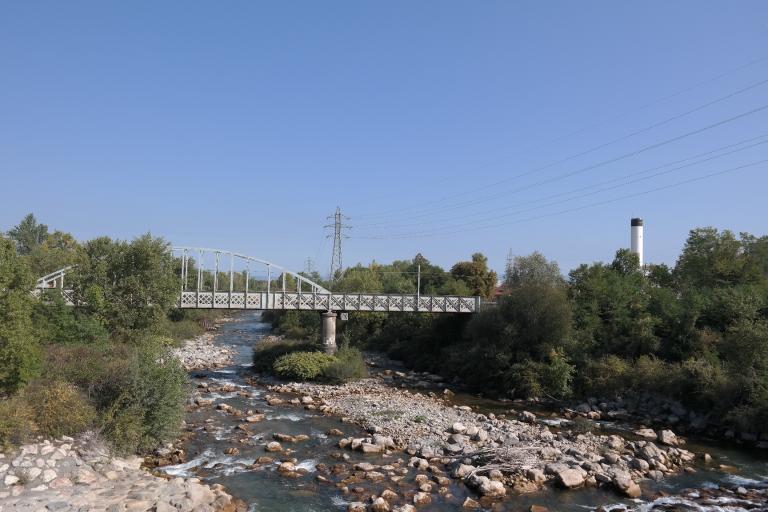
(82, 475)
(201, 353)
(400, 441)
(490, 453)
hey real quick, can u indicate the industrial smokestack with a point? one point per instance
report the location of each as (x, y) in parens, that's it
(637, 238)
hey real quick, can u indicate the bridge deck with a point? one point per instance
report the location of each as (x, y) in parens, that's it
(328, 302)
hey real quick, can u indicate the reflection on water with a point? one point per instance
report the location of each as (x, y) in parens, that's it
(264, 489)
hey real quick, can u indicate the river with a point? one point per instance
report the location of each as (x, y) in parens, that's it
(263, 488)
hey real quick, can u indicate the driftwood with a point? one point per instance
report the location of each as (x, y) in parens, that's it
(507, 459)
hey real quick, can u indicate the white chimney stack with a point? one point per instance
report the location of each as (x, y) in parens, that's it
(637, 238)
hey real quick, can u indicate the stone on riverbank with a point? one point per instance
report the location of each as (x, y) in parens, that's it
(201, 353)
(83, 475)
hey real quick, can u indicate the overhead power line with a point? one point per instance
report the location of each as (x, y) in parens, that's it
(404, 211)
(603, 183)
(602, 163)
(570, 210)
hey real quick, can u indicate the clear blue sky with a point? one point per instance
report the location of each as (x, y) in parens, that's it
(241, 125)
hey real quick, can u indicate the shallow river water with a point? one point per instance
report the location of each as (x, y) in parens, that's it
(264, 489)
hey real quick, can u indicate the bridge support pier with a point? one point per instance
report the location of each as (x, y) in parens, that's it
(328, 320)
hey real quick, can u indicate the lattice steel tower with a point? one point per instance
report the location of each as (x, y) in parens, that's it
(338, 234)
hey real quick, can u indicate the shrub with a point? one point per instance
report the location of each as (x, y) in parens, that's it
(558, 375)
(349, 365)
(97, 370)
(59, 408)
(185, 324)
(268, 350)
(524, 379)
(605, 377)
(302, 365)
(653, 375)
(58, 323)
(150, 406)
(17, 422)
(138, 391)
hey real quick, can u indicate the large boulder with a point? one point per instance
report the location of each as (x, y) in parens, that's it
(647, 433)
(380, 505)
(668, 438)
(490, 488)
(463, 471)
(624, 484)
(570, 478)
(422, 498)
(458, 428)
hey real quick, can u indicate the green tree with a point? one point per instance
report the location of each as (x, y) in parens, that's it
(533, 269)
(129, 286)
(478, 277)
(58, 250)
(28, 234)
(19, 351)
(610, 305)
(711, 258)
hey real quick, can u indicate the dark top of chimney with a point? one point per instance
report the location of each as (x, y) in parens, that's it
(637, 221)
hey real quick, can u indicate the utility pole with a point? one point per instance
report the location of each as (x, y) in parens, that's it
(338, 234)
(418, 285)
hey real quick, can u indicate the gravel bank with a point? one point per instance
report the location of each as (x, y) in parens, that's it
(201, 353)
(69, 475)
(488, 452)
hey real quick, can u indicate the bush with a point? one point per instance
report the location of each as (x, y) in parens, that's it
(349, 365)
(605, 377)
(524, 379)
(17, 422)
(150, 406)
(303, 365)
(138, 391)
(55, 322)
(59, 408)
(298, 325)
(185, 324)
(558, 375)
(269, 350)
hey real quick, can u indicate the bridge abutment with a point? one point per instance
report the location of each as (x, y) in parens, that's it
(328, 320)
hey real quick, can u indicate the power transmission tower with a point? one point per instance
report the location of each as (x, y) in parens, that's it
(308, 263)
(508, 269)
(338, 234)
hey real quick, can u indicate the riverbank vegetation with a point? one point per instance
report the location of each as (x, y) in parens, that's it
(305, 360)
(102, 364)
(696, 332)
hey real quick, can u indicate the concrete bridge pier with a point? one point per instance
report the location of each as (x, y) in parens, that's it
(328, 320)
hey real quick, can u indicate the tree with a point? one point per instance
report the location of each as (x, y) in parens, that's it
(28, 234)
(58, 250)
(19, 352)
(479, 279)
(711, 258)
(610, 308)
(130, 286)
(534, 269)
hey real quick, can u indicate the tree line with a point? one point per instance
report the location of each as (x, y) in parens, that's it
(696, 332)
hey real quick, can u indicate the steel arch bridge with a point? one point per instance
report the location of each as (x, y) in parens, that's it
(209, 280)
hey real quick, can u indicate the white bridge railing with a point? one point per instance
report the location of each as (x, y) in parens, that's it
(329, 302)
